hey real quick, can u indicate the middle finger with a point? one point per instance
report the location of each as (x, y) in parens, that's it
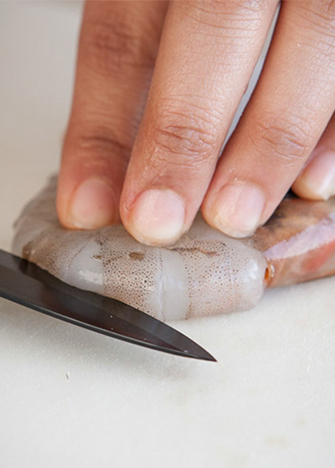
(206, 56)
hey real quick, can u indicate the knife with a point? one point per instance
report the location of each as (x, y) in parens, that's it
(27, 284)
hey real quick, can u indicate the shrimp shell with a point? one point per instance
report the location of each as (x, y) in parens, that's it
(204, 273)
(298, 241)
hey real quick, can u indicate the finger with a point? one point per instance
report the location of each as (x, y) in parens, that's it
(317, 180)
(289, 110)
(207, 53)
(117, 50)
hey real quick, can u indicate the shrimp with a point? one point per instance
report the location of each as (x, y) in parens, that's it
(298, 241)
(204, 273)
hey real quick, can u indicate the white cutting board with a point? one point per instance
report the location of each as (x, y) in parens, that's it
(73, 398)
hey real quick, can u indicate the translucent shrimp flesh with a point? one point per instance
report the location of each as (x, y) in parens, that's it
(204, 273)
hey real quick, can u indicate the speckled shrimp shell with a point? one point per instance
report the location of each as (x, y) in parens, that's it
(204, 273)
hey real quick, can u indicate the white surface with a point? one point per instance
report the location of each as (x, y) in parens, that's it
(73, 398)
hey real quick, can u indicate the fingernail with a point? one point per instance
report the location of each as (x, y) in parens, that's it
(238, 208)
(318, 178)
(157, 217)
(92, 205)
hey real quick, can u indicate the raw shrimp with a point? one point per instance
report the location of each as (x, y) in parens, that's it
(298, 241)
(204, 273)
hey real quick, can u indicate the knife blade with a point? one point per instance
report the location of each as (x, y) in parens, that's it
(27, 284)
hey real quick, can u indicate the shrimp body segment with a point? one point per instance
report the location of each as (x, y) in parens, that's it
(204, 273)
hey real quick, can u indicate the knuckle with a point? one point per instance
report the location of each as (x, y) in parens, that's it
(115, 45)
(98, 146)
(192, 138)
(283, 138)
(222, 14)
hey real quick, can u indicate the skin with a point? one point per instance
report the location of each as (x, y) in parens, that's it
(157, 86)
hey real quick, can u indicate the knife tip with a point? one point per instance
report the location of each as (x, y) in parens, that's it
(202, 355)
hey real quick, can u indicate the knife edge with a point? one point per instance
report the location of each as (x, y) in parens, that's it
(27, 284)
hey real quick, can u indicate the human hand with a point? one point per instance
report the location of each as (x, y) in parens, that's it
(145, 148)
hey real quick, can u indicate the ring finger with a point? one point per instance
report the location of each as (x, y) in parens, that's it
(287, 114)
